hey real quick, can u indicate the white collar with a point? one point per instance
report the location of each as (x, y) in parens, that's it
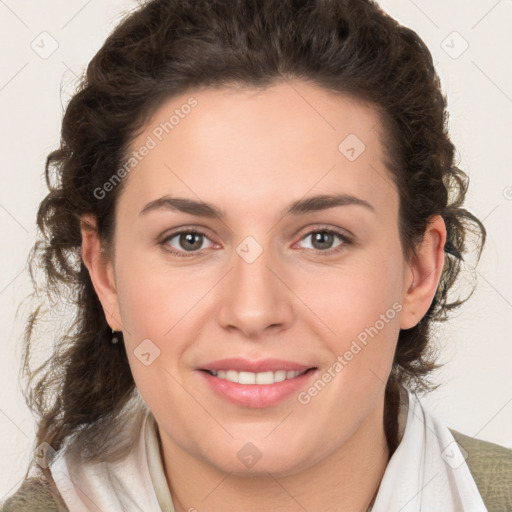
(113, 486)
(156, 467)
(427, 472)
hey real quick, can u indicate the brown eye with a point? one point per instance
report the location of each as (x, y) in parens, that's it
(190, 241)
(186, 241)
(323, 240)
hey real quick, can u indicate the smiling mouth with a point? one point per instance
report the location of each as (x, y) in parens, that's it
(257, 378)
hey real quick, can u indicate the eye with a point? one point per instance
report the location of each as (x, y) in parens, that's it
(187, 241)
(322, 240)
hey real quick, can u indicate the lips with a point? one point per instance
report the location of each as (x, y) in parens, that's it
(256, 384)
(264, 365)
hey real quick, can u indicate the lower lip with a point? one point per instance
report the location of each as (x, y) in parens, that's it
(256, 396)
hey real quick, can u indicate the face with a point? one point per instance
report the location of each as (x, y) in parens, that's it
(263, 290)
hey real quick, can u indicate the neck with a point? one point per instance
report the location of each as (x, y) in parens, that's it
(349, 476)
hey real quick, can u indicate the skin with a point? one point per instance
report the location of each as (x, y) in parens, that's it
(252, 153)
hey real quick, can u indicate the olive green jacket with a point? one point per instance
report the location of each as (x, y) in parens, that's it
(489, 463)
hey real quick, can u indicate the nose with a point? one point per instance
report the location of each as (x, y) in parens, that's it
(256, 297)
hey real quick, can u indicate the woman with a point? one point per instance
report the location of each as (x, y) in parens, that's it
(256, 210)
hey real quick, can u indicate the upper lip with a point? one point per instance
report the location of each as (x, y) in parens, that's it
(263, 365)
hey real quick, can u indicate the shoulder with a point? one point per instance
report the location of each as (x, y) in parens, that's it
(491, 467)
(35, 495)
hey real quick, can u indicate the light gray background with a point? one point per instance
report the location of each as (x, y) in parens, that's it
(476, 393)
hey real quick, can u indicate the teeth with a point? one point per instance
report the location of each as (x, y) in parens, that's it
(231, 375)
(246, 378)
(256, 378)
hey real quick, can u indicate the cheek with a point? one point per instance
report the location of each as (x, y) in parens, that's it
(162, 311)
(359, 308)
(152, 296)
(353, 296)
(364, 324)
(153, 312)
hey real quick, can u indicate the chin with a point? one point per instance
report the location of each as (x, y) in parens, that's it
(255, 459)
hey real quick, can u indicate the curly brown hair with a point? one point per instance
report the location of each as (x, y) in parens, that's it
(167, 47)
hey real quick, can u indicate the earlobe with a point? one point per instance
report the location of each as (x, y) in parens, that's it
(426, 268)
(100, 270)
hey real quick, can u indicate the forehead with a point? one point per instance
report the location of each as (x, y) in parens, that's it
(253, 145)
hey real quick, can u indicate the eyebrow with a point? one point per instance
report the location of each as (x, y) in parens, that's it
(299, 207)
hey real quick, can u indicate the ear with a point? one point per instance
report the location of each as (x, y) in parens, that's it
(101, 270)
(425, 268)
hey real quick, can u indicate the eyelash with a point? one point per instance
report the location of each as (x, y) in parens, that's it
(329, 252)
